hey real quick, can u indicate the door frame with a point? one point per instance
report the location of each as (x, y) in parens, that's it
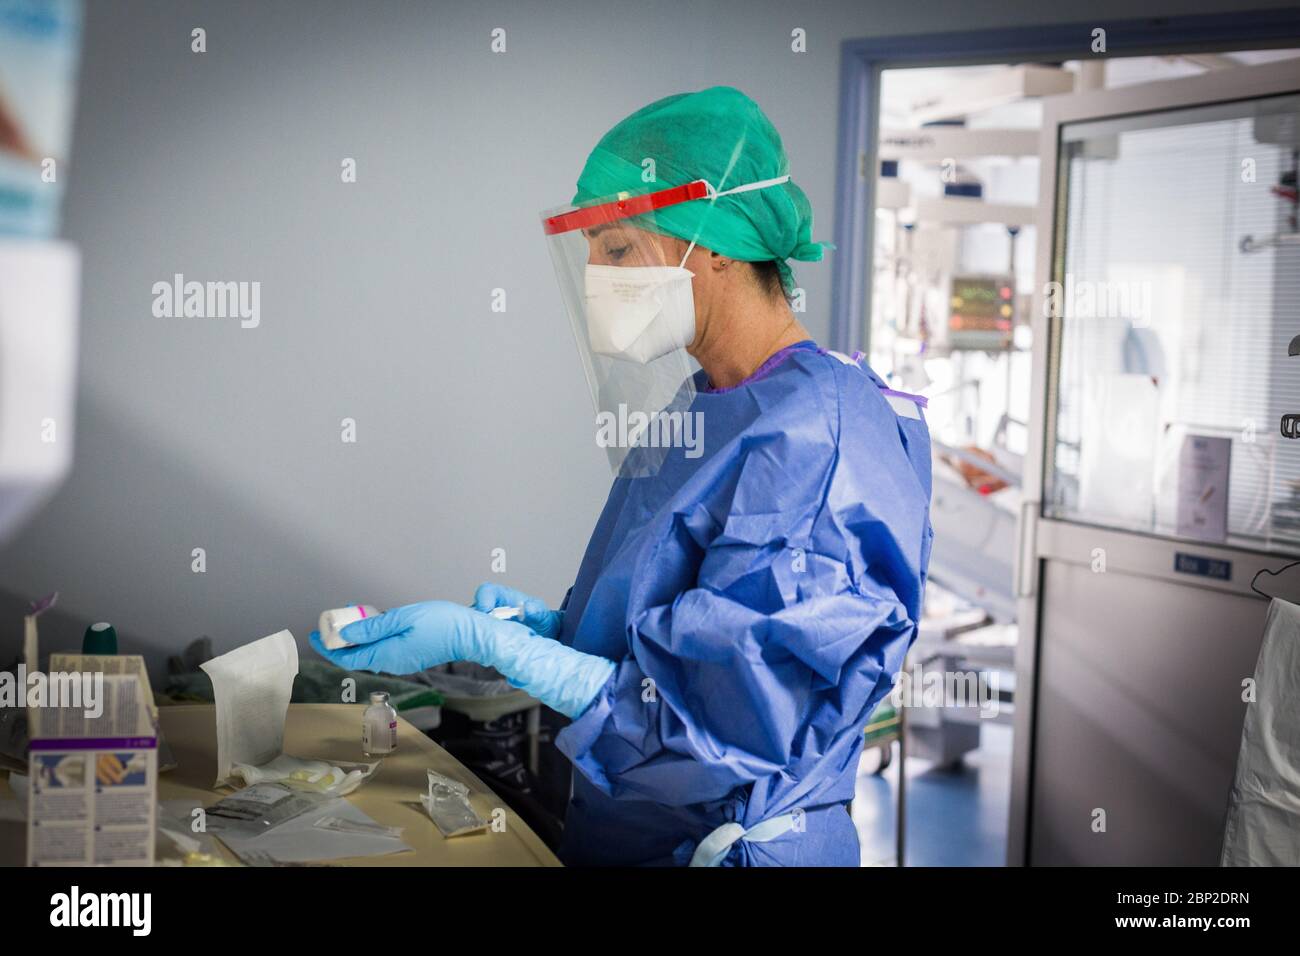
(862, 60)
(1040, 538)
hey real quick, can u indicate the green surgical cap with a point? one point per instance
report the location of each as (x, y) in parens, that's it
(721, 136)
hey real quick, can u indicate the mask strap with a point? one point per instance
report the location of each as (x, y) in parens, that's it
(761, 184)
(682, 264)
(714, 194)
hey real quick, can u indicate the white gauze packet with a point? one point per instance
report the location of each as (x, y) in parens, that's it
(252, 686)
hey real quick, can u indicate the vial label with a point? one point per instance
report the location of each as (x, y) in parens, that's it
(378, 734)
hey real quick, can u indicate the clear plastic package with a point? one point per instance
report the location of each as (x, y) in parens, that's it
(340, 825)
(261, 808)
(447, 803)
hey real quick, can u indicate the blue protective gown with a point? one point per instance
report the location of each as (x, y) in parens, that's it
(758, 601)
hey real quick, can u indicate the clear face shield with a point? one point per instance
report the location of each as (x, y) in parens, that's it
(630, 302)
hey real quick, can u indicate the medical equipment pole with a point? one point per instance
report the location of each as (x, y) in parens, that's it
(533, 725)
(900, 837)
(1012, 232)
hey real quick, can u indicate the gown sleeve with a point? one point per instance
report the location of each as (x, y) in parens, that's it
(805, 602)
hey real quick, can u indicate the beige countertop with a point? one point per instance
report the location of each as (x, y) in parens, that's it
(391, 796)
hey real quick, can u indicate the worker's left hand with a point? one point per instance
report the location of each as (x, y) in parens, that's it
(413, 638)
(537, 616)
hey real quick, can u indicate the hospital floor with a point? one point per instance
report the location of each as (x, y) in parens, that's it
(954, 817)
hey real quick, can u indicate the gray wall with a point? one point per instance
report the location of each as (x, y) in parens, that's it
(473, 425)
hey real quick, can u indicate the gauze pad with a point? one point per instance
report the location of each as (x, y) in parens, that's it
(251, 687)
(339, 779)
(331, 622)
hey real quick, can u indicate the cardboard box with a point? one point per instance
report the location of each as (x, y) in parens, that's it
(93, 772)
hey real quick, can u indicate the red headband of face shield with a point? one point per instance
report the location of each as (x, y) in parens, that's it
(588, 217)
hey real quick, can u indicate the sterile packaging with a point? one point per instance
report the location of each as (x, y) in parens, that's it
(334, 830)
(447, 803)
(331, 622)
(179, 844)
(261, 808)
(340, 825)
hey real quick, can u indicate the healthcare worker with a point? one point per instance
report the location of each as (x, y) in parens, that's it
(756, 576)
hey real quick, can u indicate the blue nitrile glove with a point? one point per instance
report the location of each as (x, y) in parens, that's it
(537, 615)
(419, 636)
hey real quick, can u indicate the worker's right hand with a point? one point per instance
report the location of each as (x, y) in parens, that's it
(537, 616)
(413, 638)
(418, 636)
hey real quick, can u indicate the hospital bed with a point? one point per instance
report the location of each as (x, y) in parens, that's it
(974, 533)
(972, 558)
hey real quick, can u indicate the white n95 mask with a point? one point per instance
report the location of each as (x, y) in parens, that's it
(639, 313)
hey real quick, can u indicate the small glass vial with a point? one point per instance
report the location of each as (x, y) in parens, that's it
(379, 726)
